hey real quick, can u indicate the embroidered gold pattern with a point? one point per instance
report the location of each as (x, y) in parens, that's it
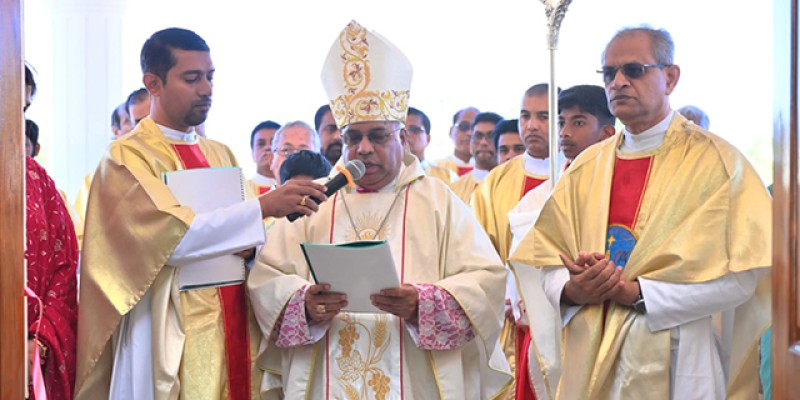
(362, 371)
(367, 225)
(347, 337)
(380, 384)
(358, 104)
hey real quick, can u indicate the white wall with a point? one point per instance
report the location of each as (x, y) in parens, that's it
(268, 56)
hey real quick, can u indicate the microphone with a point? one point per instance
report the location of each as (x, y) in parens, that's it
(355, 168)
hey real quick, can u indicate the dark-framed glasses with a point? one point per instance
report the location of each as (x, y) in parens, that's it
(632, 70)
(477, 136)
(379, 136)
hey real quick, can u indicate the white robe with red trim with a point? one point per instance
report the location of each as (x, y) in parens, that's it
(434, 239)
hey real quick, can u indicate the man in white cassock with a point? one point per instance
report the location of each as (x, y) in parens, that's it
(438, 334)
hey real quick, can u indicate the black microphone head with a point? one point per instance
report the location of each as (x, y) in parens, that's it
(356, 169)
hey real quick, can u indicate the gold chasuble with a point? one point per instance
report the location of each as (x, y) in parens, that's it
(464, 187)
(443, 174)
(433, 240)
(133, 224)
(457, 166)
(494, 197)
(702, 213)
(80, 207)
(497, 194)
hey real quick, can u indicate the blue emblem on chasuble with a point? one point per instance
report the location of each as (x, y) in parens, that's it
(620, 242)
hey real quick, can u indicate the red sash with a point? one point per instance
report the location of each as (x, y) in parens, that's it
(627, 189)
(524, 390)
(263, 189)
(234, 305)
(523, 334)
(463, 170)
(530, 184)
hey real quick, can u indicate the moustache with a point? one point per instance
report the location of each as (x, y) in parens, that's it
(205, 101)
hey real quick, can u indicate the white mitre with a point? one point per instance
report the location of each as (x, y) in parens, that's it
(366, 77)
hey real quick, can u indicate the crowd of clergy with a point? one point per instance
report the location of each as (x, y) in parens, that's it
(634, 264)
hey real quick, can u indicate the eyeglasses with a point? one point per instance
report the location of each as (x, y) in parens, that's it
(477, 136)
(416, 130)
(632, 70)
(289, 149)
(463, 126)
(377, 136)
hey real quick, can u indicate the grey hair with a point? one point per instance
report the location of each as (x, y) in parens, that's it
(694, 113)
(661, 43)
(312, 133)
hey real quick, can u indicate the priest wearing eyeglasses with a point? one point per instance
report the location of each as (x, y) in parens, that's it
(460, 161)
(655, 246)
(289, 139)
(437, 334)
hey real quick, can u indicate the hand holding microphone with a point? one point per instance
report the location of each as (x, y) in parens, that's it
(289, 198)
(353, 171)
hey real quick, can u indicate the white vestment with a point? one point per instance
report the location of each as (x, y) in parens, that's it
(435, 240)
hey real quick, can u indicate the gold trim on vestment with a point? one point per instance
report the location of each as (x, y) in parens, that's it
(724, 193)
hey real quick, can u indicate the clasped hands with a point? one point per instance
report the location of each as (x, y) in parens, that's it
(323, 305)
(593, 279)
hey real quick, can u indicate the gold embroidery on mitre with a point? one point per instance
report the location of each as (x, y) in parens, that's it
(360, 373)
(358, 104)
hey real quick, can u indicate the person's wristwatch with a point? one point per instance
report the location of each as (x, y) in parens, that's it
(638, 305)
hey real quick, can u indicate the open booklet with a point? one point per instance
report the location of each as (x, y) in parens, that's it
(358, 269)
(205, 190)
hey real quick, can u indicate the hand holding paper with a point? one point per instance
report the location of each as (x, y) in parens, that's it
(323, 305)
(358, 269)
(401, 301)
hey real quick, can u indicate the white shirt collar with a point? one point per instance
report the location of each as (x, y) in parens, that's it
(536, 166)
(479, 174)
(172, 134)
(453, 158)
(262, 180)
(650, 139)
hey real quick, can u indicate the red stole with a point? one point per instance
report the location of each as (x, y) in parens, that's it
(263, 189)
(523, 334)
(627, 189)
(463, 170)
(530, 184)
(234, 305)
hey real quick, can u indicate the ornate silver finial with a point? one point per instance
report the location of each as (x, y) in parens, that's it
(555, 14)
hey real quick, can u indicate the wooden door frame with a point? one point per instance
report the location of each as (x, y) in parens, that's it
(785, 277)
(13, 333)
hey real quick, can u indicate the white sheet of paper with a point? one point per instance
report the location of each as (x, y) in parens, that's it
(204, 190)
(358, 269)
